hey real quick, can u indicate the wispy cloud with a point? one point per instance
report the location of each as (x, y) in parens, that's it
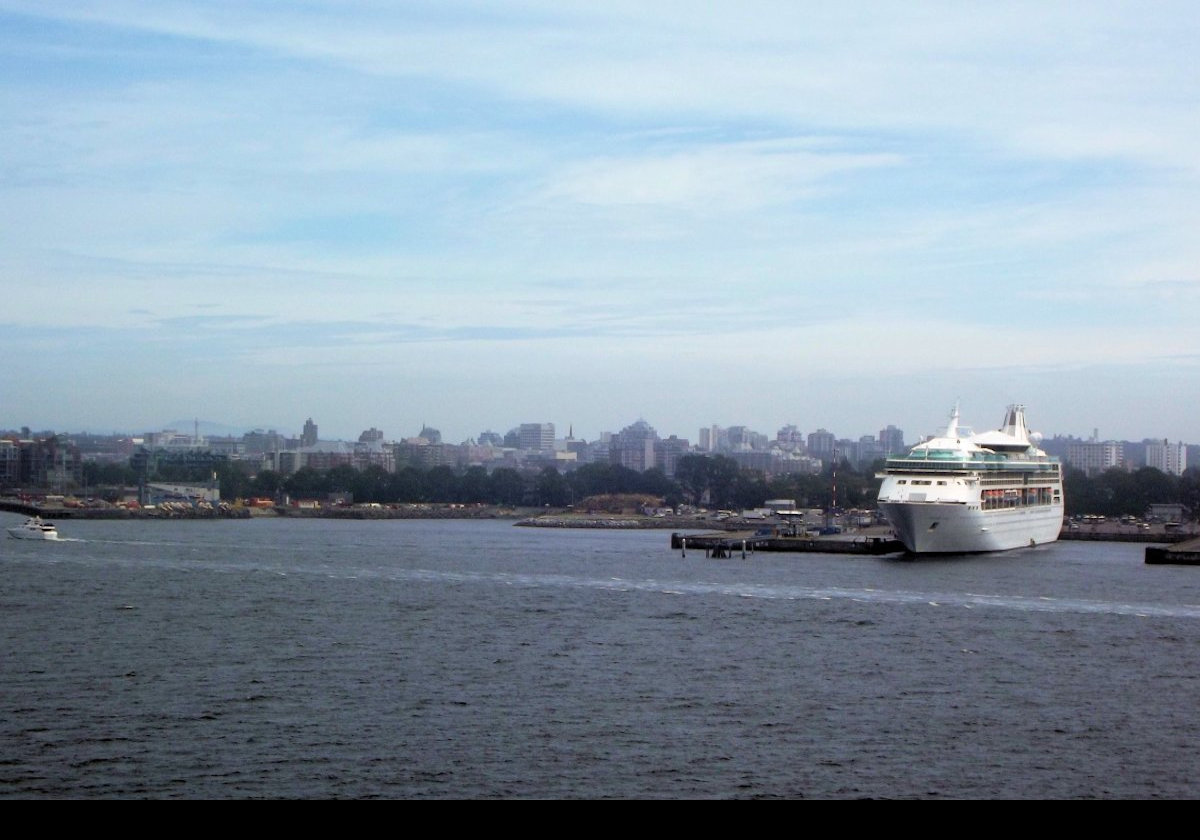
(448, 194)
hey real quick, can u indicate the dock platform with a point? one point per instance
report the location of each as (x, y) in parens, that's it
(1180, 554)
(720, 544)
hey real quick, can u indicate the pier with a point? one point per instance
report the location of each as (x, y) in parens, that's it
(721, 544)
(1185, 548)
(1185, 553)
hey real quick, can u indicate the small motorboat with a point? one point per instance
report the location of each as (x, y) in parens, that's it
(34, 528)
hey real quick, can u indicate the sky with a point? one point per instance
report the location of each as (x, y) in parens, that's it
(473, 215)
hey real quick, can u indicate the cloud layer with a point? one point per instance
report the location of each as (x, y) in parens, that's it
(478, 215)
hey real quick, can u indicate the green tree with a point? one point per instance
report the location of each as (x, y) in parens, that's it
(722, 481)
(749, 490)
(306, 482)
(373, 484)
(407, 485)
(441, 485)
(234, 480)
(656, 483)
(508, 487)
(1189, 491)
(341, 479)
(550, 488)
(266, 484)
(692, 475)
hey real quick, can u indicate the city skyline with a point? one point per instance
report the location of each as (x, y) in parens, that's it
(308, 432)
(756, 214)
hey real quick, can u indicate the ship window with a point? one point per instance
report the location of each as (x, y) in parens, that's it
(940, 483)
(902, 481)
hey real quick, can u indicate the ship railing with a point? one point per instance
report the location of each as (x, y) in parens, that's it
(973, 465)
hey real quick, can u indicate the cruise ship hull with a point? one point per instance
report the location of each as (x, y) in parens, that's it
(938, 528)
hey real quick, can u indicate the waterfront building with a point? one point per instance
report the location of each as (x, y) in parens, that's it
(633, 446)
(49, 462)
(10, 464)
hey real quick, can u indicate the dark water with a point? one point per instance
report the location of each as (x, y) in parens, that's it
(459, 659)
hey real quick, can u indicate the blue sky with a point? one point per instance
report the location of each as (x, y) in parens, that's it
(474, 215)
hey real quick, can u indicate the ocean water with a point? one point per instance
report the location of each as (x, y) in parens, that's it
(449, 659)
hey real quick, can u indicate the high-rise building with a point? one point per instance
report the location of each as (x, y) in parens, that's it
(309, 436)
(790, 436)
(490, 438)
(259, 442)
(1171, 458)
(821, 444)
(668, 451)
(1095, 456)
(633, 446)
(866, 451)
(714, 439)
(536, 437)
(891, 440)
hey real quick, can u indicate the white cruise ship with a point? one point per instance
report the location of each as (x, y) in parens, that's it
(961, 492)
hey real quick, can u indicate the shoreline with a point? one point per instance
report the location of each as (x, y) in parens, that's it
(279, 512)
(528, 517)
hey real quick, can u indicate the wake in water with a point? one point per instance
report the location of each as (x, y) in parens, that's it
(965, 600)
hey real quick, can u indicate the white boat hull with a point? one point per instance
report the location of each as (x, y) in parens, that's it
(937, 528)
(34, 529)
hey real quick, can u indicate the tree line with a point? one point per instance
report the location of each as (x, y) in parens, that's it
(715, 481)
(1117, 492)
(711, 480)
